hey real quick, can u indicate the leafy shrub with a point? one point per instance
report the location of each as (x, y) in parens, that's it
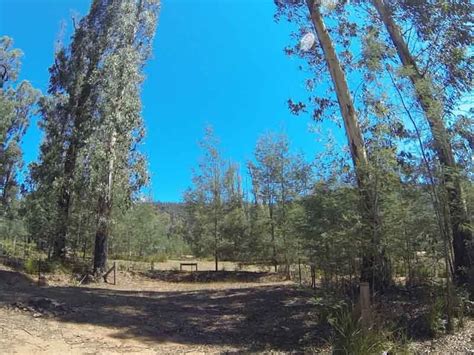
(462, 306)
(32, 264)
(434, 317)
(350, 337)
(327, 305)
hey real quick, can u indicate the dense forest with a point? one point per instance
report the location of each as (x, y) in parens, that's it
(392, 206)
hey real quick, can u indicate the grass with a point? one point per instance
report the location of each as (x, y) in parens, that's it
(351, 337)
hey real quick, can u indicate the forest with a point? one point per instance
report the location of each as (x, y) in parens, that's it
(387, 209)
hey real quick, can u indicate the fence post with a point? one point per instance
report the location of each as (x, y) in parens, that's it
(39, 271)
(115, 268)
(299, 269)
(364, 301)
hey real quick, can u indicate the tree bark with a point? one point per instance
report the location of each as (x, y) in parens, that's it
(459, 218)
(216, 241)
(59, 247)
(104, 213)
(374, 265)
(272, 231)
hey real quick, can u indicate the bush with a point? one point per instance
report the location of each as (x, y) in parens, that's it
(327, 305)
(462, 307)
(434, 317)
(32, 265)
(350, 337)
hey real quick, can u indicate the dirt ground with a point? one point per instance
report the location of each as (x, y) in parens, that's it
(169, 313)
(145, 315)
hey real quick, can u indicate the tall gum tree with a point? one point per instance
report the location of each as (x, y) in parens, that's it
(204, 201)
(74, 75)
(433, 111)
(374, 266)
(121, 124)
(91, 116)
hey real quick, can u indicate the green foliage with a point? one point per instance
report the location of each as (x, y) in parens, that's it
(216, 219)
(279, 179)
(90, 164)
(147, 232)
(329, 304)
(351, 337)
(33, 265)
(463, 307)
(434, 316)
(17, 104)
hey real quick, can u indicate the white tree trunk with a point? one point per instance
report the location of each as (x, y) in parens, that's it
(459, 219)
(374, 268)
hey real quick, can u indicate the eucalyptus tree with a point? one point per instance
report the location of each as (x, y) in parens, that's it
(234, 227)
(120, 127)
(375, 268)
(204, 200)
(17, 104)
(278, 177)
(439, 68)
(92, 119)
(70, 111)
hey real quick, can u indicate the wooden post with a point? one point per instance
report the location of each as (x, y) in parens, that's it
(113, 268)
(313, 275)
(152, 267)
(299, 269)
(39, 271)
(364, 301)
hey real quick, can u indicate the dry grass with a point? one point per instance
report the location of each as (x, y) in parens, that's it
(174, 265)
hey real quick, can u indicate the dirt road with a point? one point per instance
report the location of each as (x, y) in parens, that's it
(149, 316)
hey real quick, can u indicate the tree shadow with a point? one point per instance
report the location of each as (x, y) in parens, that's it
(212, 276)
(256, 318)
(14, 279)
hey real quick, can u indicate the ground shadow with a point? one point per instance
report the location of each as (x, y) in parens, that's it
(256, 318)
(213, 276)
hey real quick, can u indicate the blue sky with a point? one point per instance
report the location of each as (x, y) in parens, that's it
(217, 62)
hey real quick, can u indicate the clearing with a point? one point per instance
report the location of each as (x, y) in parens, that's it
(171, 312)
(146, 315)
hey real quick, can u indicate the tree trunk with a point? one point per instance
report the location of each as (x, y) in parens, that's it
(459, 219)
(104, 213)
(374, 266)
(216, 241)
(59, 246)
(272, 230)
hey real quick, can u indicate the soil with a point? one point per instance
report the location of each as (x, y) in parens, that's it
(169, 313)
(147, 315)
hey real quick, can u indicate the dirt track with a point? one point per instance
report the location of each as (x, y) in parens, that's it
(148, 315)
(145, 315)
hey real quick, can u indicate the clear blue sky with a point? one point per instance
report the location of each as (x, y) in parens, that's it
(219, 62)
